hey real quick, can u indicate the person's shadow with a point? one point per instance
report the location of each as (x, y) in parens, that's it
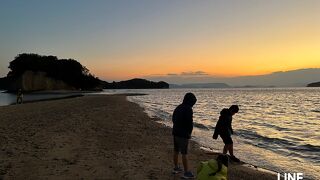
(177, 176)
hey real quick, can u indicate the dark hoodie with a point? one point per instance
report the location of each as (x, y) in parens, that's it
(182, 117)
(223, 127)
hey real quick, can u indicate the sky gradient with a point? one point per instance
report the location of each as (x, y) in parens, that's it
(118, 40)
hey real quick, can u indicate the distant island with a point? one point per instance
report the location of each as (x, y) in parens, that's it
(33, 72)
(200, 85)
(136, 84)
(315, 84)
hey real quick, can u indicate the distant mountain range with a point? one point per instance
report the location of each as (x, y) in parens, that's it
(200, 85)
(294, 78)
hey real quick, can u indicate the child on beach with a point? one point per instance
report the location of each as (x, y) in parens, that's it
(224, 129)
(182, 119)
(19, 97)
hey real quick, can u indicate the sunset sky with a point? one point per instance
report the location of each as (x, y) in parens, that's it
(122, 39)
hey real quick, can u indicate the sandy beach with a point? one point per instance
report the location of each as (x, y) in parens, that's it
(92, 137)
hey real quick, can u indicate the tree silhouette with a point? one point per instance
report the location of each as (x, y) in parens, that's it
(68, 70)
(136, 84)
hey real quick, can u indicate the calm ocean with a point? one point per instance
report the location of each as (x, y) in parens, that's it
(276, 128)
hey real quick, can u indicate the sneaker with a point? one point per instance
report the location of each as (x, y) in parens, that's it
(177, 170)
(188, 175)
(235, 159)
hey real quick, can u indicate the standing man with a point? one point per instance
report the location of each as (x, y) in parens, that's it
(182, 119)
(224, 129)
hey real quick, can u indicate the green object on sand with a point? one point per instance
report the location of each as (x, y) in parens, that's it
(208, 170)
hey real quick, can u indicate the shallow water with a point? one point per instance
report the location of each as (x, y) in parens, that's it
(276, 128)
(8, 98)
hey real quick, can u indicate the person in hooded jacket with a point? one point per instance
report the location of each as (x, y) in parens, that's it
(224, 129)
(182, 119)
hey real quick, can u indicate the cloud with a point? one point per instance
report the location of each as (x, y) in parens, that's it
(194, 73)
(182, 74)
(172, 74)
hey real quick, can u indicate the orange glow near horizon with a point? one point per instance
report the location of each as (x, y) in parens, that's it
(229, 60)
(253, 50)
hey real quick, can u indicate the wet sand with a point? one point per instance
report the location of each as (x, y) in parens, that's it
(92, 137)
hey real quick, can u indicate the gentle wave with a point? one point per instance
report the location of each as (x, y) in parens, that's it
(316, 111)
(279, 145)
(275, 127)
(201, 126)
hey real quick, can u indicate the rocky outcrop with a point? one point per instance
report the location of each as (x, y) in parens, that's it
(37, 81)
(33, 72)
(316, 84)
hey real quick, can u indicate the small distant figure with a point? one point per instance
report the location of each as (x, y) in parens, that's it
(19, 97)
(224, 129)
(182, 119)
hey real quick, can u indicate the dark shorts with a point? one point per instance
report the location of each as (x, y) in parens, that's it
(226, 139)
(180, 144)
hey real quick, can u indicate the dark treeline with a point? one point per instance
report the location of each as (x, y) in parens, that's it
(68, 70)
(136, 84)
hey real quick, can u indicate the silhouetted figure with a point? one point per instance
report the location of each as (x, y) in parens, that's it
(182, 119)
(19, 97)
(224, 129)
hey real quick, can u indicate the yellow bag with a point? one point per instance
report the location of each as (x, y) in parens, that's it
(208, 170)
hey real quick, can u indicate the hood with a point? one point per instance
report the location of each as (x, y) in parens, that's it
(225, 112)
(189, 99)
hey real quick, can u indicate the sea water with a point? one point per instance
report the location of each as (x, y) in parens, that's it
(276, 128)
(7, 98)
(11, 98)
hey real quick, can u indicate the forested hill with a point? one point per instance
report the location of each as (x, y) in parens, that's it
(136, 84)
(35, 72)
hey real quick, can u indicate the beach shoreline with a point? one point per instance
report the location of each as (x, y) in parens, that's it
(93, 137)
